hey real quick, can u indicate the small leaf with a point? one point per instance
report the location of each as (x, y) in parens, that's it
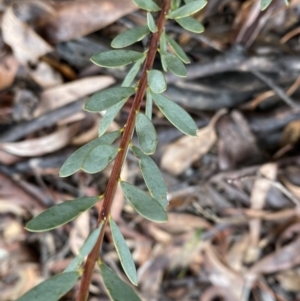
(109, 116)
(116, 58)
(133, 72)
(163, 44)
(178, 50)
(130, 36)
(264, 4)
(187, 10)
(107, 98)
(52, 289)
(175, 65)
(149, 104)
(85, 250)
(190, 24)
(147, 5)
(163, 63)
(75, 161)
(60, 214)
(153, 177)
(117, 289)
(156, 81)
(175, 114)
(98, 158)
(151, 23)
(123, 252)
(146, 134)
(143, 203)
(175, 4)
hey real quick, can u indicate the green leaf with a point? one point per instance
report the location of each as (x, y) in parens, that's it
(151, 23)
(175, 65)
(156, 81)
(264, 4)
(116, 58)
(52, 289)
(130, 36)
(98, 158)
(84, 250)
(75, 161)
(109, 116)
(148, 5)
(148, 104)
(146, 134)
(153, 177)
(175, 114)
(144, 204)
(187, 10)
(175, 4)
(117, 289)
(107, 98)
(123, 252)
(178, 50)
(60, 214)
(190, 24)
(133, 72)
(163, 63)
(163, 44)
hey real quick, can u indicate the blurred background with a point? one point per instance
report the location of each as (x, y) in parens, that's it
(234, 193)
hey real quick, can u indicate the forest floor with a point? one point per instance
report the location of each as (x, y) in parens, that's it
(233, 232)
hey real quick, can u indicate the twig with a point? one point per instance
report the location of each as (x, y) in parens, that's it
(271, 84)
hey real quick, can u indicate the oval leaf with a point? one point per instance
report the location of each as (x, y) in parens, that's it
(107, 98)
(149, 105)
(60, 214)
(178, 50)
(133, 72)
(190, 24)
(143, 203)
(175, 114)
(151, 23)
(84, 250)
(116, 58)
(117, 289)
(52, 289)
(146, 133)
(148, 5)
(156, 81)
(130, 36)
(153, 177)
(187, 10)
(123, 252)
(109, 116)
(75, 161)
(98, 158)
(175, 65)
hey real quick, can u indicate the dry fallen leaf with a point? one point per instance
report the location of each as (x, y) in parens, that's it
(75, 19)
(179, 155)
(289, 280)
(56, 97)
(282, 259)
(45, 76)
(259, 192)
(222, 276)
(79, 232)
(43, 145)
(8, 69)
(26, 44)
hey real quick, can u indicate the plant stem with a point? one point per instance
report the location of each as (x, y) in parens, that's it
(126, 138)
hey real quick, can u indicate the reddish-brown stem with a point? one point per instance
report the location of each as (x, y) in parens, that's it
(126, 138)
